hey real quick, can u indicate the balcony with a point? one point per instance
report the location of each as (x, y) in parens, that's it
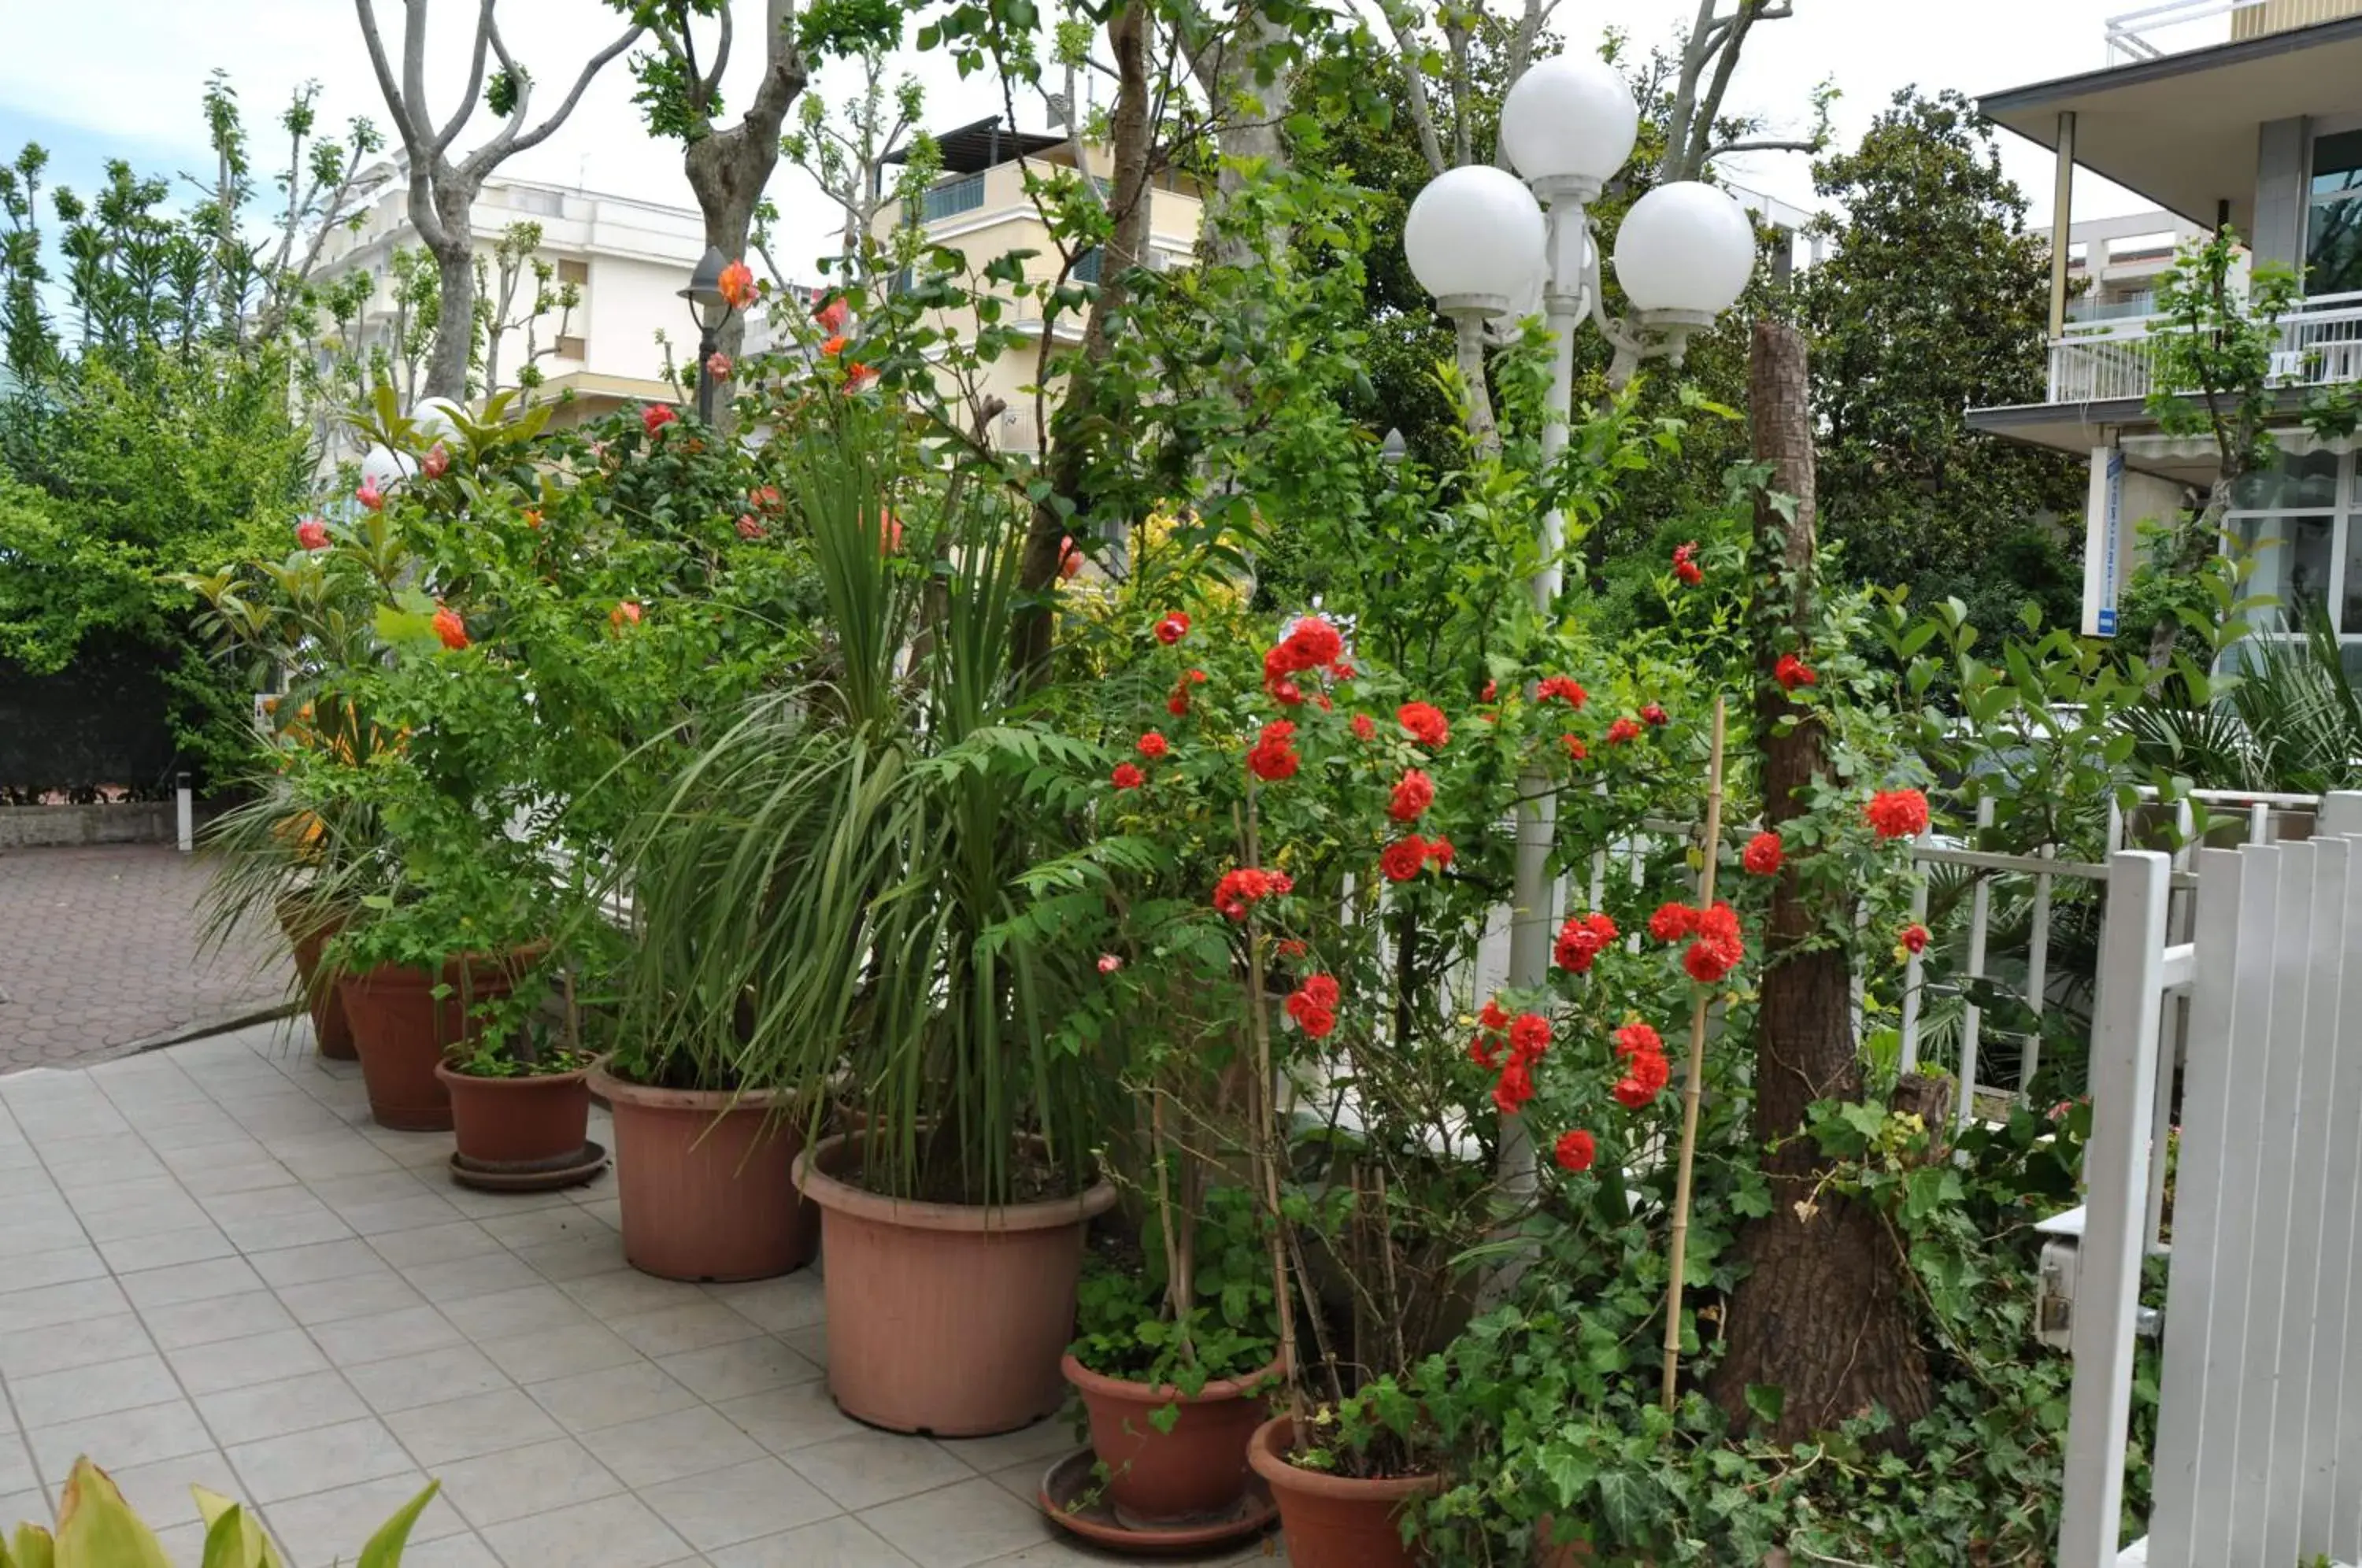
(2156, 31)
(2321, 344)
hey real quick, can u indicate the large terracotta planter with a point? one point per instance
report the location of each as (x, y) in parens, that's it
(705, 1181)
(331, 1032)
(945, 1319)
(1199, 1468)
(401, 1029)
(1334, 1521)
(518, 1122)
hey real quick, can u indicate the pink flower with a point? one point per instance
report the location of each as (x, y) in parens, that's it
(655, 416)
(1109, 963)
(834, 317)
(750, 529)
(718, 366)
(436, 463)
(626, 614)
(369, 496)
(312, 533)
(1070, 559)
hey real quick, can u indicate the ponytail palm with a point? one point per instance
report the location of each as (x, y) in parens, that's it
(835, 893)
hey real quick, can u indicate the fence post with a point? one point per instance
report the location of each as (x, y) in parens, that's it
(2124, 1061)
(184, 812)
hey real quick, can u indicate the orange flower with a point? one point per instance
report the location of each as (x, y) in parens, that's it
(450, 627)
(835, 346)
(737, 285)
(626, 612)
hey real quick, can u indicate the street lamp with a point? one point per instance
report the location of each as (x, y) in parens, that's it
(710, 309)
(1475, 239)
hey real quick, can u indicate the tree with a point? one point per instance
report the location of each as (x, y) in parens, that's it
(846, 158)
(443, 193)
(514, 262)
(1932, 301)
(1825, 1312)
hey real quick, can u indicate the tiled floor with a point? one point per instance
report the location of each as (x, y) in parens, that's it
(215, 1269)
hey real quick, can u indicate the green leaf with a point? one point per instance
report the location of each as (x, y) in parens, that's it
(385, 1547)
(96, 1529)
(1767, 1400)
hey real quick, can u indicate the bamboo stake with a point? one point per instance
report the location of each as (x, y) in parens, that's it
(1692, 1084)
(1266, 1122)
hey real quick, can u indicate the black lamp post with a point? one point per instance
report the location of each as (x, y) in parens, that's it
(709, 310)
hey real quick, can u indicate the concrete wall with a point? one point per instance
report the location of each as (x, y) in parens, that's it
(132, 821)
(2282, 151)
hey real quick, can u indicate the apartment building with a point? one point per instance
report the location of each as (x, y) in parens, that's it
(2245, 113)
(627, 257)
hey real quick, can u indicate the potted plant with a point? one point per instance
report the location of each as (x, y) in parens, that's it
(835, 899)
(521, 1101)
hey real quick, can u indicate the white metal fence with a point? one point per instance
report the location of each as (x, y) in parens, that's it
(2319, 345)
(2259, 1455)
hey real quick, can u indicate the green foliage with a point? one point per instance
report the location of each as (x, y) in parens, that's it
(1124, 1324)
(96, 1529)
(1933, 300)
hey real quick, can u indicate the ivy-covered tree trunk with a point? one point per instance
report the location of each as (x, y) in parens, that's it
(1824, 1313)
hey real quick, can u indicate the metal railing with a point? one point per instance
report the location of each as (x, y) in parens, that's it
(951, 198)
(2154, 31)
(2319, 345)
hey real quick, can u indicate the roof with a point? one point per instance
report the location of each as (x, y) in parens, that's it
(2181, 129)
(983, 145)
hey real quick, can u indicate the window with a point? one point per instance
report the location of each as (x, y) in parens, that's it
(547, 204)
(2333, 236)
(951, 198)
(2302, 522)
(1087, 267)
(574, 272)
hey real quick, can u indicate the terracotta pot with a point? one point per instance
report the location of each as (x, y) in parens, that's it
(945, 1319)
(401, 1029)
(520, 1121)
(1334, 1521)
(705, 1181)
(1197, 1468)
(331, 1032)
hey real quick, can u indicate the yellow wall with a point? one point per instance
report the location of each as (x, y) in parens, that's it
(2280, 16)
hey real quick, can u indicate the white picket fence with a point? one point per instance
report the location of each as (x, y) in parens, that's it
(2258, 1454)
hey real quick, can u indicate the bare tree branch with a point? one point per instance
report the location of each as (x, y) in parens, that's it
(510, 141)
(460, 116)
(1806, 145)
(712, 82)
(1422, 114)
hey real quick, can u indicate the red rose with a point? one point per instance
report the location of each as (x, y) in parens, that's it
(1621, 730)
(655, 416)
(1638, 1039)
(1316, 1021)
(1565, 687)
(1685, 565)
(1529, 1036)
(1915, 937)
(1718, 948)
(1293, 947)
(1494, 1017)
(1575, 1151)
(450, 627)
(312, 533)
(1238, 891)
(1762, 855)
(1439, 850)
(1515, 1088)
(1412, 797)
(1311, 643)
(1673, 922)
(1127, 777)
(1152, 745)
(1320, 990)
(1490, 687)
(1575, 750)
(1486, 1052)
(1654, 715)
(750, 529)
(1897, 813)
(1426, 724)
(1179, 703)
(1272, 757)
(1792, 672)
(1403, 858)
(1582, 940)
(1172, 628)
(766, 497)
(1363, 728)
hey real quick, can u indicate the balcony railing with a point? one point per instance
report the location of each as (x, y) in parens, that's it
(2156, 31)
(2319, 345)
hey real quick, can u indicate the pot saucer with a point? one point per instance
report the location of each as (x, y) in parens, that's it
(1066, 1497)
(535, 1176)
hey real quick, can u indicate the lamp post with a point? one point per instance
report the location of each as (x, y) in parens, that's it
(710, 310)
(1483, 242)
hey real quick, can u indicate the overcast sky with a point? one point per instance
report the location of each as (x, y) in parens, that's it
(124, 80)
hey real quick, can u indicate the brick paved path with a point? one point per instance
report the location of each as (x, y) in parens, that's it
(98, 952)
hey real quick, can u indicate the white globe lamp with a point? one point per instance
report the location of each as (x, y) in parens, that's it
(1685, 253)
(434, 418)
(1569, 121)
(384, 468)
(1474, 238)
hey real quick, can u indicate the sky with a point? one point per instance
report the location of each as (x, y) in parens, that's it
(126, 81)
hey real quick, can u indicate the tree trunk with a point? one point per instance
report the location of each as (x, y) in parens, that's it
(455, 270)
(1128, 205)
(2198, 539)
(1249, 112)
(1823, 1312)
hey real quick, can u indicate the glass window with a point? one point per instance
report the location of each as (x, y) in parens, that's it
(2337, 165)
(2332, 239)
(2294, 557)
(2301, 482)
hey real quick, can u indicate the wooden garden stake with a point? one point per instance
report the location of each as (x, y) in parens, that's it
(1266, 1115)
(1691, 1085)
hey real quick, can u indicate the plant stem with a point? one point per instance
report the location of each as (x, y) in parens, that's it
(1694, 1082)
(1265, 1117)
(1177, 1284)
